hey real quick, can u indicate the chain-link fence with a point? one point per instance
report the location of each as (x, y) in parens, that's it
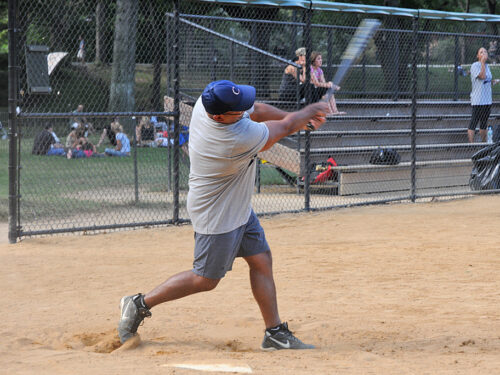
(104, 93)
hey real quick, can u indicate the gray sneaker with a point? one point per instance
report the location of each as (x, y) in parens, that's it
(132, 314)
(282, 339)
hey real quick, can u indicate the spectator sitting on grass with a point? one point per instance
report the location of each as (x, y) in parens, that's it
(89, 128)
(122, 142)
(163, 139)
(145, 132)
(45, 143)
(75, 135)
(110, 133)
(84, 149)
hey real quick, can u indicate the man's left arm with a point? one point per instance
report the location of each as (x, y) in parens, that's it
(264, 112)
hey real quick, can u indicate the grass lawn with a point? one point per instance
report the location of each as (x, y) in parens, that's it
(54, 186)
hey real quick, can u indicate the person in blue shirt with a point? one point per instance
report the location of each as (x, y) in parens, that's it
(122, 142)
(481, 95)
(80, 55)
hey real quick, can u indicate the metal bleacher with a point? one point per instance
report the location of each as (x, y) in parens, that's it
(443, 154)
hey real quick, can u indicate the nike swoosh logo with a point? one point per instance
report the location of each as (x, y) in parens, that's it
(284, 346)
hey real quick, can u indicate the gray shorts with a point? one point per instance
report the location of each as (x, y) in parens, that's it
(214, 254)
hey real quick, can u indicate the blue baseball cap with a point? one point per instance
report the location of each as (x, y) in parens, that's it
(225, 96)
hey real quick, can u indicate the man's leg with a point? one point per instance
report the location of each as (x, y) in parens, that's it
(180, 285)
(473, 123)
(135, 308)
(483, 134)
(263, 288)
(277, 335)
(470, 135)
(483, 119)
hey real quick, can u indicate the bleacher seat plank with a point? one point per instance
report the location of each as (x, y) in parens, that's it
(367, 179)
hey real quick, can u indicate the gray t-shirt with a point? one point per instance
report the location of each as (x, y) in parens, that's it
(222, 174)
(481, 88)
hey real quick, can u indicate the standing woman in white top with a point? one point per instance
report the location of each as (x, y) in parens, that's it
(480, 96)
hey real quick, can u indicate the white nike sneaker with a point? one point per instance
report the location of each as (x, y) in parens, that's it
(282, 339)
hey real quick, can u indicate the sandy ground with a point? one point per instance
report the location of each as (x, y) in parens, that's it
(392, 289)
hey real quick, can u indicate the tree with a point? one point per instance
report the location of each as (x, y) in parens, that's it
(4, 44)
(103, 32)
(155, 33)
(394, 54)
(259, 37)
(492, 5)
(122, 89)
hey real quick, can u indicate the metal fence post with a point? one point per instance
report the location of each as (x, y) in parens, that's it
(307, 145)
(168, 120)
(176, 110)
(231, 61)
(257, 175)
(363, 72)
(414, 110)
(293, 39)
(213, 66)
(254, 68)
(427, 63)
(329, 53)
(396, 66)
(136, 171)
(13, 132)
(455, 70)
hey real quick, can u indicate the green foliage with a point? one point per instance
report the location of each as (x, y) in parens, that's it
(4, 38)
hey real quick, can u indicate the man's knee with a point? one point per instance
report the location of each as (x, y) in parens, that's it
(204, 284)
(262, 261)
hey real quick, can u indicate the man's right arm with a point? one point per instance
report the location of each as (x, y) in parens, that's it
(295, 121)
(265, 112)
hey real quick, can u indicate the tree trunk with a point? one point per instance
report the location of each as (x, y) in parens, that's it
(103, 32)
(492, 4)
(100, 18)
(260, 35)
(156, 53)
(57, 19)
(122, 96)
(394, 54)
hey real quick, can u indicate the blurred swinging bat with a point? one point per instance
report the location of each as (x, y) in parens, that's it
(355, 48)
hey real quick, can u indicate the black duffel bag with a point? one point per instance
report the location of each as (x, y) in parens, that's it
(385, 156)
(485, 173)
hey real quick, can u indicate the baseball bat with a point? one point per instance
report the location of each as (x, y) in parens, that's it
(355, 48)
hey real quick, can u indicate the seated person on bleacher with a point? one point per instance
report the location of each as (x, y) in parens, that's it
(319, 84)
(288, 86)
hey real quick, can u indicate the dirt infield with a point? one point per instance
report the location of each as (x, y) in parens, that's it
(393, 289)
